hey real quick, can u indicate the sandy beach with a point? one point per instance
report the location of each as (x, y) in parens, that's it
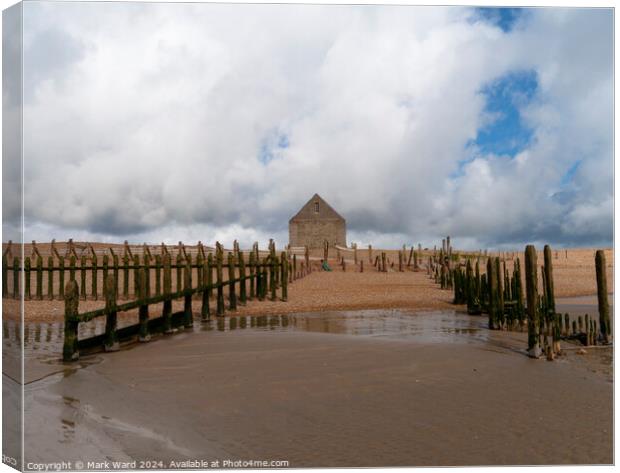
(392, 395)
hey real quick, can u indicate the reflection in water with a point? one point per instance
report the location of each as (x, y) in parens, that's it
(44, 341)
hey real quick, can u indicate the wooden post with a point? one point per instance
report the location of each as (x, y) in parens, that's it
(383, 258)
(252, 265)
(143, 311)
(179, 265)
(206, 290)
(370, 254)
(5, 275)
(83, 277)
(50, 278)
(550, 302)
(492, 292)
(284, 263)
(361, 266)
(199, 268)
(500, 293)
(70, 347)
(27, 278)
(39, 288)
(61, 276)
(106, 261)
(273, 270)
(167, 310)
(531, 288)
(72, 262)
(136, 271)
(603, 303)
(232, 295)
(219, 261)
(242, 279)
(157, 275)
(587, 329)
(111, 337)
(115, 271)
(400, 261)
(147, 267)
(94, 269)
(16, 277)
(188, 318)
(126, 276)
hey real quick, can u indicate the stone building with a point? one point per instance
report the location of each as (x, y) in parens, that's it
(316, 222)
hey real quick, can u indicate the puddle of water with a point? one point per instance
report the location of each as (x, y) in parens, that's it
(44, 341)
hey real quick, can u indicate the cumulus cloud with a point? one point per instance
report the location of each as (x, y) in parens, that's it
(195, 121)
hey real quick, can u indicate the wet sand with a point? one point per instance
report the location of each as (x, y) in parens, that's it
(383, 388)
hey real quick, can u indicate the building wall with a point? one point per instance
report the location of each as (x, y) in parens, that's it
(313, 233)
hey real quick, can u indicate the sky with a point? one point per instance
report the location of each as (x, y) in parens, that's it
(169, 122)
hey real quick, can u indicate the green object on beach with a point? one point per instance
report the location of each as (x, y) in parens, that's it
(326, 267)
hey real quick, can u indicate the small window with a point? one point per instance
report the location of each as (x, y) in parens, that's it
(316, 207)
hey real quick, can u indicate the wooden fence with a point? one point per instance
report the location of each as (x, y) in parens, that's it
(509, 304)
(49, 267)
(247, 278)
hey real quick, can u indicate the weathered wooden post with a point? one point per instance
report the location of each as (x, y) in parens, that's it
(72, 262)
(143, 311)
(603, 303)
(550, 302)
(39, 288)
(61, 277)
(205, 312)
(500, 295)
(167, 311)
(273, 270)
(531, 288)
(580, 322)
(199, 268)
(147, 268)
(115, 271)
(400, 262)
(284, 264)
(111, 337)
(242, 279)
(219, 260)
(355, 253)
(188, 317)
(574, 324)
(83, 277)
(370, 254)
(383, 262)
(361, 266)
(179, 271)
(5, 274)
(16, 277)
(105, 271)
(157, 275)
(27, 278)
(587, 329)
(126, 276)
(70, 347)
(492, 290)
(50, 278)
(325, 250)
(232, 295)
(252, 265)
(566, 325)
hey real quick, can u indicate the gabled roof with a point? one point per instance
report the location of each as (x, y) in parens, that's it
(307, 212)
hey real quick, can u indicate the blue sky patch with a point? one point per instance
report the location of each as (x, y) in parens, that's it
(507, 134)
(505, 18)
(570, 173)
(271, 145)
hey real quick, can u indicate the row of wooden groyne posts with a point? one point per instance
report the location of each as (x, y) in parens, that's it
(251, 275)
(501, 296)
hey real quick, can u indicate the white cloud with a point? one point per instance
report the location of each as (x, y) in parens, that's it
(153, 126)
